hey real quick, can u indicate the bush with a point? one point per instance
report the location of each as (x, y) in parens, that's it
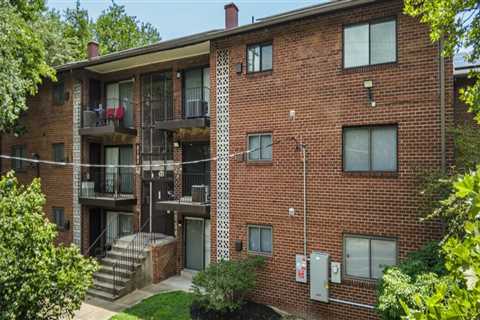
(417, 274)
(38, 280)
(223, 286)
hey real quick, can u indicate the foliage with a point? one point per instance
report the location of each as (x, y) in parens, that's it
(416, 274)
(78, 27)
(22, 59)
(457, 295)
(38, 280)
(171, 305)
(437, 185)
(223, 286)
(115, 30)
(457, 22)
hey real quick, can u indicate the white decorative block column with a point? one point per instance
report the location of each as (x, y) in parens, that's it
(77, 158)
(222, 87)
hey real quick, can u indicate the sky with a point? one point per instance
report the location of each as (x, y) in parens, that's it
(174, 19)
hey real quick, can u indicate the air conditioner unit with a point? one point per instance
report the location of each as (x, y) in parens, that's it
(201, 193)
(195, 108)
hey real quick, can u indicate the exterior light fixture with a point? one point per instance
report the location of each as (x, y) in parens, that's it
(179, 74)
(368, 84)
(176, 144)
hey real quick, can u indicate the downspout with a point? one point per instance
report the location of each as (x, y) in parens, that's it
(441, 71)
(304, 154)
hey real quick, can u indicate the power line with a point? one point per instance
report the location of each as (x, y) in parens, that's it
(133, 166)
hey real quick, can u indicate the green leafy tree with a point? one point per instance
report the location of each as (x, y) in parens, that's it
(457, 294)
(38, 280)
(115, 30)
(80, 28)
(23, 63)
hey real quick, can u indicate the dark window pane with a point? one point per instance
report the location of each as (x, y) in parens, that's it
(384, 149)
(59, 93)
(254, 147)
(267, 57)
(254, 239)
(266, 142)
(266, 240)
(58, 152)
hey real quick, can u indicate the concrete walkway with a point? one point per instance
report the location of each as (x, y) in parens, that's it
(97, 309)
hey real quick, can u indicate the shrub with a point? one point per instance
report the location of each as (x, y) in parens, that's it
(38, 280)
(223, 286)
(417, 274)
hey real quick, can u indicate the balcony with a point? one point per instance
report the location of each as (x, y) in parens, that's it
(116, 118)
(195, 111)
(108, 188)
(195, 199)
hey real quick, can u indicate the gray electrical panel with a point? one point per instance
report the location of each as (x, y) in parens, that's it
(319, 276)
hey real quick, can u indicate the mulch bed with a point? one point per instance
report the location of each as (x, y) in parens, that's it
(249, 311)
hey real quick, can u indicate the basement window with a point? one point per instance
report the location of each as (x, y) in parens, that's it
(367, 257)
(369, 44)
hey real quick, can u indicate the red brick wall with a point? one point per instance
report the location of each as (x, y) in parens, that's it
(46, 124)
(308, 77)
(163, 261)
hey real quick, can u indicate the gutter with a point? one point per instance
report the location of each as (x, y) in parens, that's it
(298, 14)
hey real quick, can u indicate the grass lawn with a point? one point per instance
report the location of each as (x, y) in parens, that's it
(164, 306)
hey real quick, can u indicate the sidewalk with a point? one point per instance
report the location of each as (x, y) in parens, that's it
(97, 309)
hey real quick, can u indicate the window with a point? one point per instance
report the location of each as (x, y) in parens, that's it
(369, 44)
(366, 257)
(196, 92)
(259, 57)
(260, 146)
(59, 218)
(260, 239)
(19, 152)
(370, 148)
(58, 152)
(59, 92)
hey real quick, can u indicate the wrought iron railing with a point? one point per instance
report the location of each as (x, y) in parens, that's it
(105, 240)
(118, 112)
(129, 259)
(196, 102)
(108, 182)
(191, 179)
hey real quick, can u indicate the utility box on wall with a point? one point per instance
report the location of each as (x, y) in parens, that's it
(319, 276)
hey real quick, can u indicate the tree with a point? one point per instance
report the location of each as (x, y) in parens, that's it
(80, 28)
(38, 280)
(115, 30)
(456, 295)
(60, 46)
(22, 59)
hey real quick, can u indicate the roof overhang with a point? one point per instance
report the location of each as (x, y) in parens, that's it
(462, 72)
(194, 50)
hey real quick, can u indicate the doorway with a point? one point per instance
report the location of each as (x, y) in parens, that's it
(197, 243)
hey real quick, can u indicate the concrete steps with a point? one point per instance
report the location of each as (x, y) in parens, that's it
(108, 287)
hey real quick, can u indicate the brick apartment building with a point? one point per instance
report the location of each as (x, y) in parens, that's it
(341, 106)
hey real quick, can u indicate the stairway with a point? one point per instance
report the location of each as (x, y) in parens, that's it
(103, 280)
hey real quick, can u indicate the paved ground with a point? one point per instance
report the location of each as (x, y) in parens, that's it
(97, 309)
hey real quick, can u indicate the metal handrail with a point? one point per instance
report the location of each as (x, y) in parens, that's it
(132, 251)
(100, 236)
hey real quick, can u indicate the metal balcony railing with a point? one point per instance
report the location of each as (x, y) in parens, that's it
(196, 102)
(108, 183)
(118, 112)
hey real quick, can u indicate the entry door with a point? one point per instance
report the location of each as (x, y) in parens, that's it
(194, 244)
